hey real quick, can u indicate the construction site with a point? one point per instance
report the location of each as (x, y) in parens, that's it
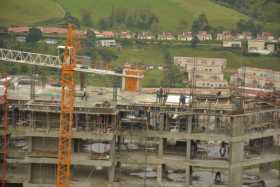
(128, 137)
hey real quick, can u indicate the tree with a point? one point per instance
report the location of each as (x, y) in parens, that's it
(92, 53)
(200, 23)
(167, 58)
(104, 23)
(71, 19)
(173, 77)
(107, 55)
(248, 26)
(90, 40)
(34, 35)
(86, 17)
(195, 41)
(155, 27)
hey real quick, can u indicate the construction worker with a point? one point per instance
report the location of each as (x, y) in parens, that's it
(182, 100)
(218, 178)
(160, 94)
(157, 96)
(223, 149)
(165, 96)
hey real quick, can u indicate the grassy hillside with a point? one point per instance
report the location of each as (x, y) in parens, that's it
(22, 12)
(170, 12)
(265, 11)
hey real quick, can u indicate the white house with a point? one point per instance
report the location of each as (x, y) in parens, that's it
(106, 43)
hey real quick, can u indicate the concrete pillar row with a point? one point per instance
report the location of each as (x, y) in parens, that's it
(188, 142)
(159, 174)
(236, 154)
(188, 176)
(161, 147)
(112, 156)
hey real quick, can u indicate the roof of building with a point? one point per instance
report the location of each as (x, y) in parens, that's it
(18, 29)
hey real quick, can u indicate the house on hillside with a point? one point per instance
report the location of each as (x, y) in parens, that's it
(21, 30)
(257, 78)
(260, 47)
(204, 36)
(125, 35)
(205, 68)
(53, 30)
(232, 44)
(206, 72)
(266, 36)
(21, 39)
(224, 36)
(185, 36)
(145, 36)
(247, 36)
(166, 36)
(104, 34)
(106, 43)
(51, 41)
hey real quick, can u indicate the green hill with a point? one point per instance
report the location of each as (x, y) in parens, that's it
(22, 12)
(171, 13)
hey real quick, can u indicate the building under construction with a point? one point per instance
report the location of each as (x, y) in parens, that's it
(130, 139)
(105, 137)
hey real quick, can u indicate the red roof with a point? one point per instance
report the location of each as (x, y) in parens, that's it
(265, 34)
(53, 30)
(107, 33)
(18, 29)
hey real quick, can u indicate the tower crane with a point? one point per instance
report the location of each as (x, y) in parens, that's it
(68, 68)
(67, 104)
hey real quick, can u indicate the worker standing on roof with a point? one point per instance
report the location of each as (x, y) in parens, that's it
(182, 100)
(165, 96)
(157, 96)
(160, 95)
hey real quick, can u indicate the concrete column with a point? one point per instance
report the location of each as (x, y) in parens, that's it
(76, 124)
(115, 94)
(161, 147)
(161, 122)
(29, 173)
(112, 156)
(111, 174)
(188, 142)
(188, 176)
(29, 141)
(159, 173)
(82, 81)
(236, 154)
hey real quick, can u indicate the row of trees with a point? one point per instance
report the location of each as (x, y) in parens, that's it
(201, 24)
(123, 17)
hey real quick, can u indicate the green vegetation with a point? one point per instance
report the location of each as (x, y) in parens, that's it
(171, 13)
(34, 35)
(153, 78)
(265, 11)
(15, 12)
(133, 19)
